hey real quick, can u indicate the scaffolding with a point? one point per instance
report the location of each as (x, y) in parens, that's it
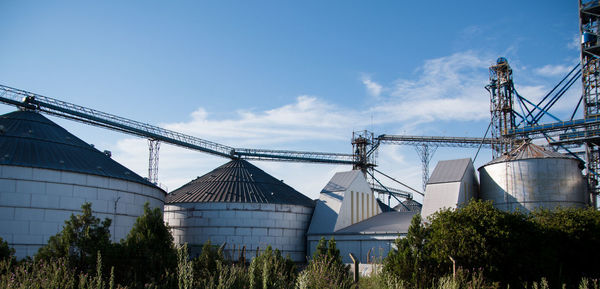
(589, 20)
(501, 106)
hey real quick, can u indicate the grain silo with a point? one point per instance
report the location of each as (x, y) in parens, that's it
(240, 205)
(46, 174)
(530, 177)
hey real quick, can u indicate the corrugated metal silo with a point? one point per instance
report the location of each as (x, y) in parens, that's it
(530, 177)
(46, 174)
(241, 205)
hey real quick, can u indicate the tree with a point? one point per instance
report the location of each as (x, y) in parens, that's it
(81, 238)
(410, 261)
(206, 265)
(6, 252)
(321, 248)
(148, 250)
(568, 248)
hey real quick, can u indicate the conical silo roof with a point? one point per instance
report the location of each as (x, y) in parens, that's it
(528, 150)
(413, 206)
(29, 139)
(238, 181)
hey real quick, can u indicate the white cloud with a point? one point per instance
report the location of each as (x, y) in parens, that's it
(575, 42)
(553, 70)
(308, 118)
(446, 88)
(373, 88)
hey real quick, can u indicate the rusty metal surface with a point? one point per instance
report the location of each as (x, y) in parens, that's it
(528, 151)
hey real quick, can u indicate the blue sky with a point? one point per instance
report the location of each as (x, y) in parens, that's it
(298, 75)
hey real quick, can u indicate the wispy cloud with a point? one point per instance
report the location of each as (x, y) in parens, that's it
(575, 42)
(307, 118)
(446, 88)
(373, 88)
(553, 70)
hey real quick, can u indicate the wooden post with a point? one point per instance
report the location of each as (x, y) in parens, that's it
(453, 267)
(356, 262)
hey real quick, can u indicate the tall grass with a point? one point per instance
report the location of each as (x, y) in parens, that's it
(50, 275)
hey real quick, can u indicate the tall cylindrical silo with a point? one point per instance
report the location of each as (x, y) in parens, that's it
(530, 177)
(242, 206)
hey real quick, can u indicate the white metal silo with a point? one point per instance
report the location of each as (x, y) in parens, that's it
(46, 174)
(530, 177)
(242, 206)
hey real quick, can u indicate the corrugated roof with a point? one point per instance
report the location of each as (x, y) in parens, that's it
(341, 181)
(413, 205)
(238, 181)
(449, 171)
(30, 139)
(528, 150)
(384, 223)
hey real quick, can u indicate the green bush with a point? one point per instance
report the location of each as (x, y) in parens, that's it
(325, 269)
(207, 264)
(81, 238)
(148, 254)
(271, 270)
(512, 248)
(6, 252)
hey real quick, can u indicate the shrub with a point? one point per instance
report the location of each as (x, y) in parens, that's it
(148, 252)
(206, 265)
(325, 269)
(271, 270)
(81, 238)
(6, 252)
(512, 248)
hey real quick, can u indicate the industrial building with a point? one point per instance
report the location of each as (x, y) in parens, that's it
(242, 206)
(348, 211)
(47, 173)
(452, 184)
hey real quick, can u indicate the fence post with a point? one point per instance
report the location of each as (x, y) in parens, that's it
(355, 261)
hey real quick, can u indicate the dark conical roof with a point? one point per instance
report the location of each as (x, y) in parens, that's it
(30, 139)
(412, 205)
(238, 181)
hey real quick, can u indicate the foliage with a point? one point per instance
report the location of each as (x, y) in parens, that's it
(568, 246)
(271, 270)
(512, 248)
(410, 261)
(148, 252)
(6, 252)
(322, 272)
(229, 276)
(50, 274)
(185, 272)
(325, 269)
(79, 241)
(206, 265)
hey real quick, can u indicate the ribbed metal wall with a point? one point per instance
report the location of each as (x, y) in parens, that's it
(526, 184)
(249, 225)
(34, 204)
